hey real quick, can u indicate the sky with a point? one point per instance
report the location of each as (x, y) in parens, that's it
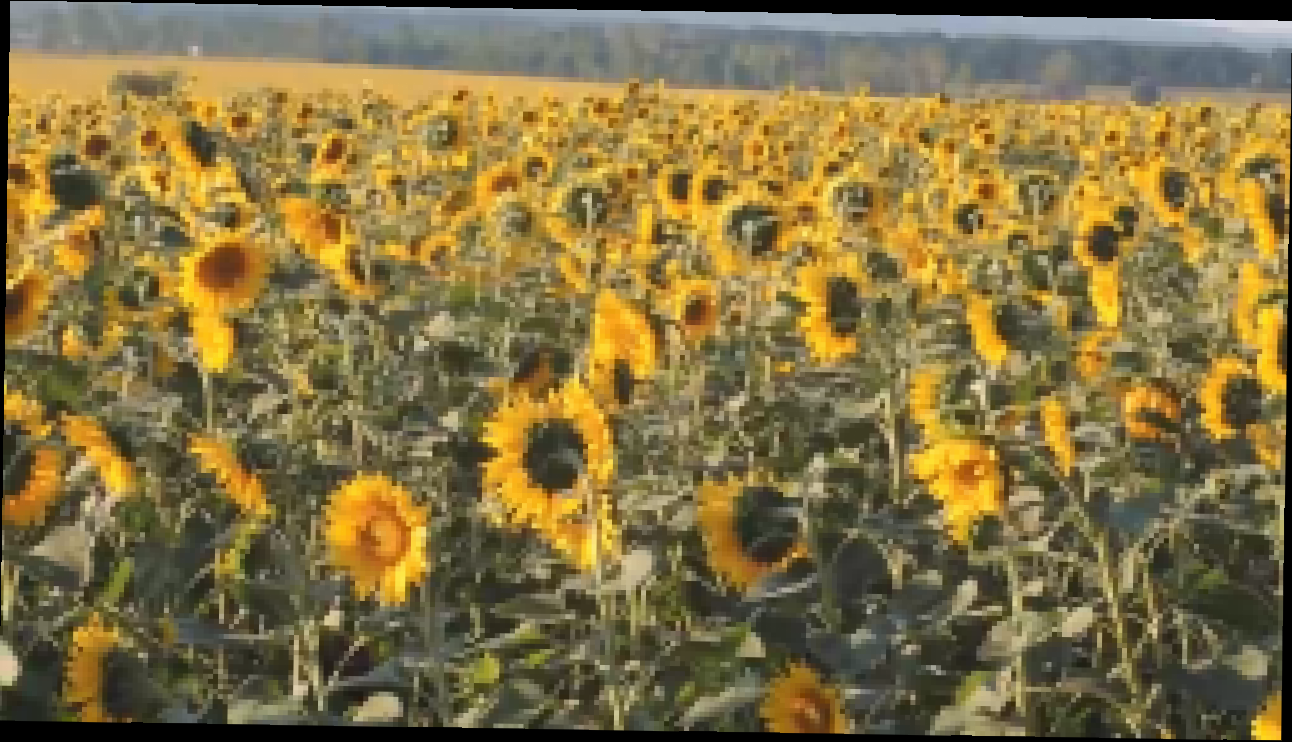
(1241, 25)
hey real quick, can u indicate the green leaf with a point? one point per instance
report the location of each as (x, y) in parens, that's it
(10, 667)
(63, 558)
(118, 582)
(379, 708)
(710, 707)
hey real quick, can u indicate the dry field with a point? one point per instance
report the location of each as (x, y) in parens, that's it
(87, 74)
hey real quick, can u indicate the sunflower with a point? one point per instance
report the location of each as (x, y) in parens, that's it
(853, 197)
(581, 206)
(966, 476)
(1098, 240)
(376, 533)
(43, 484)
(1231, 398)
(1169, 190)
(243, 487)
(25, 298)
(1105, 294)
(1266, 210)
(1251, 289)
(498, 179)
(981, 314)
(117, 473)
(78, 250)
(1268, 724)
(1146, 406)
(331, 158)
(537, 370)
(694, 305)
(314, 227)
(625, 350)
(345, 263)
(581, 542)
(224, 276)
(747, 235)
(1272, 339)
(922, 399)
(673, 191)
(215, 340)
(547, 451)
(89, 682)
(749, 529)
(833, 293)
(1054, 422)
(26, 412)
(799, 703)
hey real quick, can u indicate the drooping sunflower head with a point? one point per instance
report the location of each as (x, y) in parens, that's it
(966, 476)
(1231, 398)
(41, 485)
(224, 276)
(25, 298)
(103, 680)
(1272, 338)
(1149, 409)
(798, 702)
(547, 451)
(750, 527)
(982, 315)
(242, 486)
(106, 452)
(625, 349)
(834, 292)
(378, 534)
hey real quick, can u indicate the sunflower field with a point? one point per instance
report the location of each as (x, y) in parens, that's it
(792, 412)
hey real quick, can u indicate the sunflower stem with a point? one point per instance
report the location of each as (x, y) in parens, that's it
(208, 402)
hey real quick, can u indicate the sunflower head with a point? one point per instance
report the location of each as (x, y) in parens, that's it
(547, 451)
(378, 534)
(225, 276)
(1231, 398)
(1272, 338)
(966, 475)
(751, 529)
(41, 486)
(798, 702)
(1268, 724)
(834, 292)
(25, 298)
(103, 680)
(695, 308)
(1149, 409)
(625, 349)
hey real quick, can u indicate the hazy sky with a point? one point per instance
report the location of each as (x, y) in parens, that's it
(1240, 25)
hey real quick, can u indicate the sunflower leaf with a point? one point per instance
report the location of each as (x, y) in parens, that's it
(710, 707)
(634, 568)
(64, 558)
(379, 708)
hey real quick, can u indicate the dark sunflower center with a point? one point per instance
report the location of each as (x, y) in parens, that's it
(765, 528)
(121, 693)
(714, 190)
(535, 166)
(843, 309)
(385, 538)
(1102, 241)
(968, 219)
(621, 377)
(1276, 209)
(587, 206)
(96, 146)
(853, 201)
(696, 312)
(1260, 167)
(754, 226)
(1241, 402)
(504, 182)
(19, 175)
(679, 187)
(1283, 350)
(555, 455)
(1175, 188)
(16, 300)
(533, 365)
(223, 268)
(442, 132)
(1126, 217)
(200, 143)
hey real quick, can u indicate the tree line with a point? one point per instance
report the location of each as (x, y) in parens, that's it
(891, 64)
